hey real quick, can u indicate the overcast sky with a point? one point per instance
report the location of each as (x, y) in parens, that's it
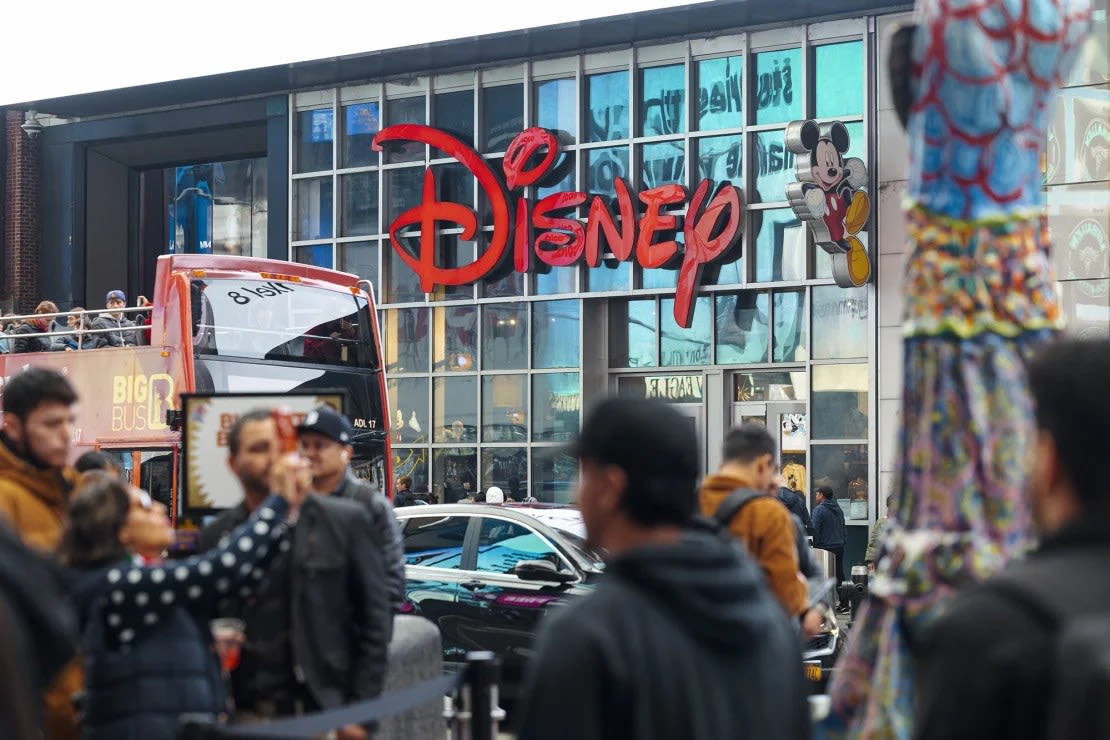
(76, 46)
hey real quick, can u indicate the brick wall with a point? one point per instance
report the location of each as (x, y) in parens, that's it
(23, 221)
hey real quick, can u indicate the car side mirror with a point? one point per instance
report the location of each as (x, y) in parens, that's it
(541, 570)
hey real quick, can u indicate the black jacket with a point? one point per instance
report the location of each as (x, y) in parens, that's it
(341, 619)
(122, 337)
(829, 530)
(21, 344)
(677, 641)
(993, 654)
(797, 506)
(387, 532)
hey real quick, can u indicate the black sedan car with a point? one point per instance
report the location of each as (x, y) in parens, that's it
(486, 574)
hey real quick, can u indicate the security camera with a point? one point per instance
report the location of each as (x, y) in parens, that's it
(31, 125)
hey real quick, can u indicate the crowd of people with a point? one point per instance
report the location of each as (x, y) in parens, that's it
(51, 330)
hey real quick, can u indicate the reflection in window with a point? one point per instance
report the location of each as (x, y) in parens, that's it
(555, 333)
(412, 462)
(557, 280)
(506, 468)
(553, 475)
(663, 163)
(316, 129)
(454, 473)
(557, 107)
(404, 110)
(857, 146)
(403, 190)
(844, 469)
(505, 408)
(742, 320)
(1086, 307)
(691, 346)
(560, 179)
(360, 204)
(775, 166)
(360, 258)
(603, 167)
(455, 409)
(839, 405)
(402, 284)
(719, 93)
(456, 337)
(453, 112)
(210, 208)
(770, 386)
(406, 340)
(605, 278)
(556, 401)
(780, 247)
(363, 121)
(314, 202)
(633, 333)
(505, 336)
(511, 284)
(454, 183)
(663, 100)
(838, 80)
(408, 399)
(503, 544)
(720, 159)
(790, 332)
(840, 322)
(452, 251)
(435, 541)
(503, 113)
(318, 255)
(661, 278)
(777, 79)
(607, 103)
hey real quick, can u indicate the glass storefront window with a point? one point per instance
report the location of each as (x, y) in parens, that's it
(408, 400)
(660, 278)
(360, 204)
(315, 129)
(557, 280)
(775, 166)
(555, 333)
(605, 278)
(455, 408)
(1086, 307)
(839, 405)
(776, 81)
(554, 475)
(693, 346)
(505, 408)
(406, 340)
(402, 284)
(361, 258)
(414, 464)
(790, 326)
(603, 167)
(313, 203)
(720, 159)
(663, 100)
(858, 142)
(454, 112)
(454, 184)
(456, 338)
(403, 190)
(405, 110)
(559, 180)
(503, 114)
(557, 107)
(361, 122)
(453, 252)
(315, 254)
(844, 469)
(208, 208)
(838, 79)
(840, 322)
(663, 164)
(678, 388)
(780, 247)
(1093, 64)
(720, 96)
(509, 285)
(454, 473)
(770, 386)
(505, 336)
(633, 333)
(742, 328)
(556, 402)
(506, 468)
(607, 103)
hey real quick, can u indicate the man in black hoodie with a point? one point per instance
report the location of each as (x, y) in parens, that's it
(829, 530)
(681, 639)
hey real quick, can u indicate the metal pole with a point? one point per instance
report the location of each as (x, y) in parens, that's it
(482, 677)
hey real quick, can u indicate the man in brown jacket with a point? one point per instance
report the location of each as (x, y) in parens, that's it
(34, 487)
(764, 524)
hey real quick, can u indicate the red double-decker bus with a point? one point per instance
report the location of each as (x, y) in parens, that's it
(222, 324)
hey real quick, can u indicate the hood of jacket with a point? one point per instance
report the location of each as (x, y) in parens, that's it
(49, 485)
(707, 580)
(832, 505)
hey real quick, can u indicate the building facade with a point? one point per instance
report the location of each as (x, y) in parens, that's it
(488, 379)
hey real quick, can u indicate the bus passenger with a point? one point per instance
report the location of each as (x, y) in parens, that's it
(74, 322)
(23, 343)
(115, 300)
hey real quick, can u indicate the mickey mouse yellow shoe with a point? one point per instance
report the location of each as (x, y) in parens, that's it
(858, 211)
(859, 262)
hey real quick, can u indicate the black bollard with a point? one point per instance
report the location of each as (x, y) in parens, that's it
(482, 676)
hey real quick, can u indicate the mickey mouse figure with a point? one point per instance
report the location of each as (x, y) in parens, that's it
(828, 196)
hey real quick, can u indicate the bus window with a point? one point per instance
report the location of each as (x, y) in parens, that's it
(156, 475)
(284, 321)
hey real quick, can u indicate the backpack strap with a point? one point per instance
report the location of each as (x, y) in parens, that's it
(732, 505)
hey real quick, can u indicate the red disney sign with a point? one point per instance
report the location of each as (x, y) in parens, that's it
(547, 229)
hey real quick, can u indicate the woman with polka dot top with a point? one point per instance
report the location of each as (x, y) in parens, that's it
(148, 650)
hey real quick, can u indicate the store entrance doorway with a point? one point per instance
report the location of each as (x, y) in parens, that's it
(685, 391)
(778, 401)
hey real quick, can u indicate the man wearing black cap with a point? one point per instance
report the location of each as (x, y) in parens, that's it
(115, 300)
(681, 639)
(325, 436)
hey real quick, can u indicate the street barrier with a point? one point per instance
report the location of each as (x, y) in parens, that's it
(415, 656)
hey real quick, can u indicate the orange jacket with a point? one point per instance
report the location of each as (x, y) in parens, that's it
(767, 531)
(33, 501)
